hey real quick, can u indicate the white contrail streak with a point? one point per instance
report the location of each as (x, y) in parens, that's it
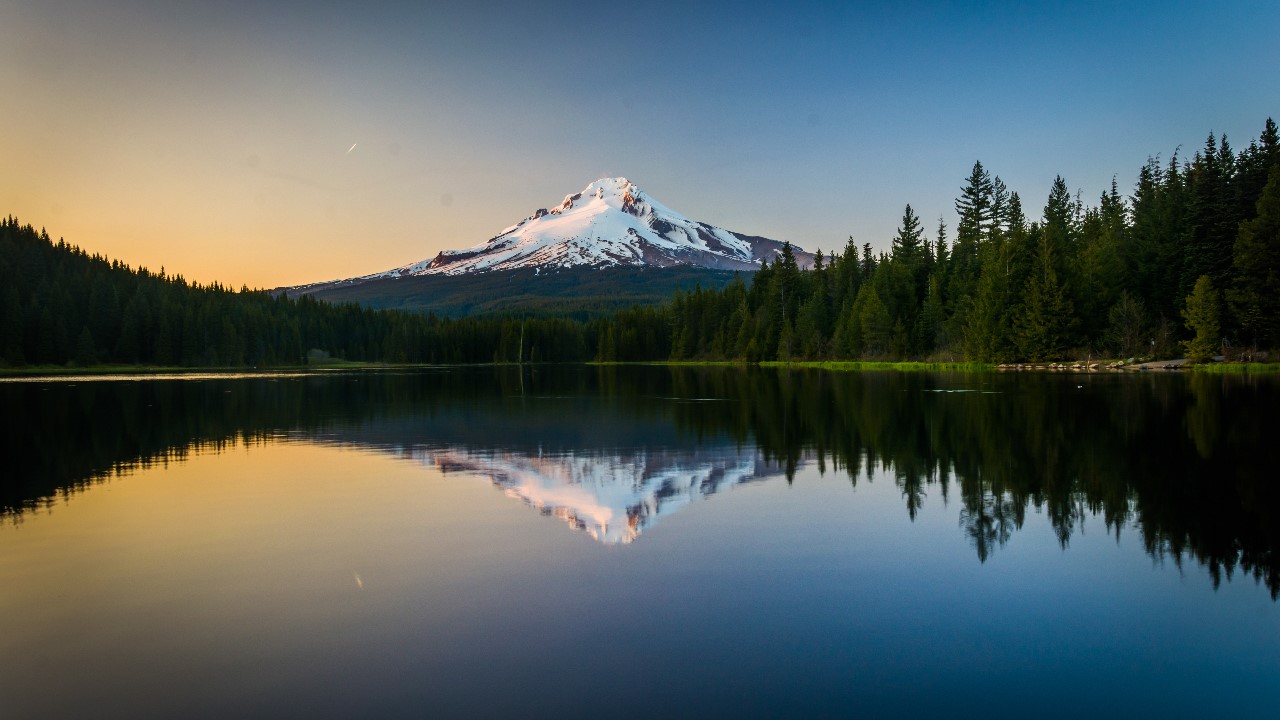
(353, 147)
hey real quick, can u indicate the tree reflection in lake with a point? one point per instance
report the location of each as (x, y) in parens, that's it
(1187, 461)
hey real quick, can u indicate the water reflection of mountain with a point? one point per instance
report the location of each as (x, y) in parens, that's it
(1186, 462)
(613, 496)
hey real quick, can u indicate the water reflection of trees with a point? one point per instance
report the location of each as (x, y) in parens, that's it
(1188, 462)
(64, 436)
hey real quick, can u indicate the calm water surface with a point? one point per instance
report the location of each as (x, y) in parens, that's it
(641, 542)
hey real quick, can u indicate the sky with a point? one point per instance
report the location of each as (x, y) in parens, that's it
(280, 143)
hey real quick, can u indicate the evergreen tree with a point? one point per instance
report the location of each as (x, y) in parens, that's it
(1000, 219)
(908, 243)
(942, 256)
(846, 339)
(788, 278)
(875, 323)
(1203, 316)
(1269, 144)
(1253, 167)
(1154, 249)
(1101, 266)
(1127, 326)
(1138, 252)
(982, 331)
(846, 272)
(1059, 236)
(983, 324)
(1043, 323)
(1254, 297)
(927, 334)
(813, 325)
(1059, 221)
(86, 353)
(974, 208)
(1212, 221)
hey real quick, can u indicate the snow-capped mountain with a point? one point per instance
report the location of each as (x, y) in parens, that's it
(610, 223)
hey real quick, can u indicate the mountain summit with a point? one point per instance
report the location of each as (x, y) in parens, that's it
(610, 223)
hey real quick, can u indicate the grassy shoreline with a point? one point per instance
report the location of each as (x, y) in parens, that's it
(1235, 368)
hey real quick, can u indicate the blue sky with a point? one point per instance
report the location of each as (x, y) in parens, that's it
(213, 137)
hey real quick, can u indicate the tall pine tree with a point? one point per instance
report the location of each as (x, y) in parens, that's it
(1254, 297)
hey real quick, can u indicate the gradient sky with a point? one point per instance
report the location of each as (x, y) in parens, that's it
(212, 138)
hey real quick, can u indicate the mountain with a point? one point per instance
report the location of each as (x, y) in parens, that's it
(611, 228)
(611, 223)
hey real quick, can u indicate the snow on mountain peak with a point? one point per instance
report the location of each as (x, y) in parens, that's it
(609, 223)
(614, 192)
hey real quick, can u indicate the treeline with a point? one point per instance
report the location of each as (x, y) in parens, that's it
(59, 305)
(1193, 255)
(1190, 262)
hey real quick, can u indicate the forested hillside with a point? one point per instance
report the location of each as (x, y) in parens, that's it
(1192, 255)
(59, 305)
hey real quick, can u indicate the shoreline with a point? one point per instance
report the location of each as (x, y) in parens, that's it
(55, 372)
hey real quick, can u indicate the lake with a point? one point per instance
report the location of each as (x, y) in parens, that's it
(641, 542)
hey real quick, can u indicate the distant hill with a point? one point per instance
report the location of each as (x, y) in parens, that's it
(580, 292)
